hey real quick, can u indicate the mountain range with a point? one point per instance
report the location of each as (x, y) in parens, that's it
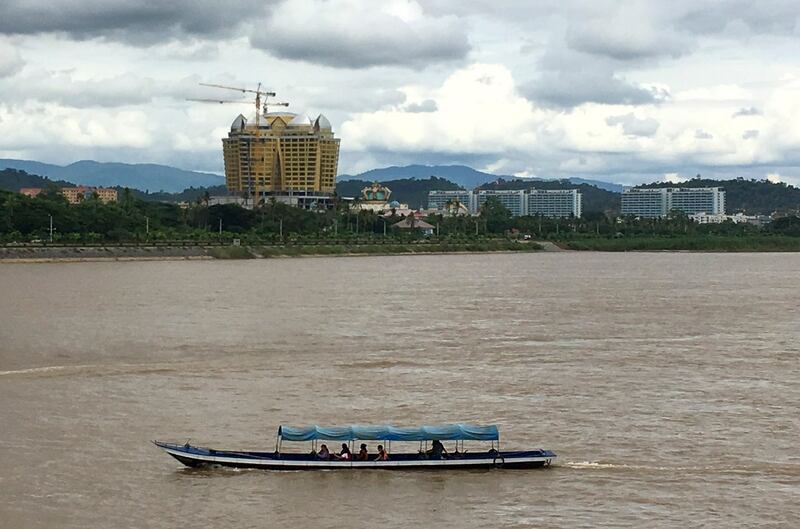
(462, 175)
(145, 176)
(155, 178)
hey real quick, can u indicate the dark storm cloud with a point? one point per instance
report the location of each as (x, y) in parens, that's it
(569, 88)
(139, 22)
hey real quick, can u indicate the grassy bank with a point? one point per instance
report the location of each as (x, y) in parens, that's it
(707, 243)
(392, 249)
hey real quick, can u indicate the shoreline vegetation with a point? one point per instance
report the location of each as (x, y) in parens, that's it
(48, 227)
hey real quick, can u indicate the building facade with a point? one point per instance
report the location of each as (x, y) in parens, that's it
(554, 202)
(658, 202)
(448, 200)
(512, 199)
(76, 195)
(281, 154)
(545, 202)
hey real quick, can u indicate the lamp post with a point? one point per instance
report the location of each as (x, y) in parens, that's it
(147, 225)
(51, 228)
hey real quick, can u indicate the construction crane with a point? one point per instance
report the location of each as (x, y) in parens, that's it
(262, 104)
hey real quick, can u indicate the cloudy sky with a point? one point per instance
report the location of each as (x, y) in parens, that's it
(624, 91)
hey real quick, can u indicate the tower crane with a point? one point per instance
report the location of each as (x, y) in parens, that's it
(262, 104)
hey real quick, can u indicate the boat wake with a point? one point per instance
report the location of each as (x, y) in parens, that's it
(88, 370)
(767, 469)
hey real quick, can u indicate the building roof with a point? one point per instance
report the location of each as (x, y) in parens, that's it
(411, 222)
(300, 120)
(322, 122)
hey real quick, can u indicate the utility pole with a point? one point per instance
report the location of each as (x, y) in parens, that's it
(147, 225)
(51, 228)
(220, 225)
(281, 227)
(476, 227)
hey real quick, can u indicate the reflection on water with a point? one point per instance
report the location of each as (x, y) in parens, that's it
(667, 383)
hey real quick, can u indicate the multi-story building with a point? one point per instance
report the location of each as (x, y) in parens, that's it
(283, 155)
(554, 202)
(658, 202)
(545, 202)
(446, 200)
(512, 199)
(644, 202)
(694, 200)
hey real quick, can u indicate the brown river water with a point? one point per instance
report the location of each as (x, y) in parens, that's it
(667, 384)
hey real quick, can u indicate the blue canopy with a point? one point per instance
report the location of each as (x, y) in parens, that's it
(443, 432)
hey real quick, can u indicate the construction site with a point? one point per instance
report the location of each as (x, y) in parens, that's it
(278, 155)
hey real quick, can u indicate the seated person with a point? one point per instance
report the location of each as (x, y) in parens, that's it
(437, 450)
(324, 453)
(362, 454)
(383, 455)
(344, 454)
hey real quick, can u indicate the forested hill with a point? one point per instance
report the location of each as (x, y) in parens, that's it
(753, 197)
(595, 200)
(411, 191)
(14, 180)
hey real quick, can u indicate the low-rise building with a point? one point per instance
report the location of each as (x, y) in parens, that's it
(738, 218)
(31, 191)
(76, 195)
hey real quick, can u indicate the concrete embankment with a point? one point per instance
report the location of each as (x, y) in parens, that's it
(100, 253)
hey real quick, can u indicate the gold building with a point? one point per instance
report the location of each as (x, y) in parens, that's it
(286, 155)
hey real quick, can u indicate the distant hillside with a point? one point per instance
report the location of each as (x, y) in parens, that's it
(14, 180)
(753, 197)
(151, 177)
(411, 191)
(462, 175)
(595, 199)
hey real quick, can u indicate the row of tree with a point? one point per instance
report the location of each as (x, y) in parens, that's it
(24, 219)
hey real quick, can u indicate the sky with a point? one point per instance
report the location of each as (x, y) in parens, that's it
(620, 91)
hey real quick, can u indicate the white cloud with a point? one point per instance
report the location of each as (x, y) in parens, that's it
(10, 59)
(633, 126)
(674, 178)
(479, 111)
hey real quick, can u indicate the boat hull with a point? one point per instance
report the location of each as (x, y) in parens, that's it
(193, 456)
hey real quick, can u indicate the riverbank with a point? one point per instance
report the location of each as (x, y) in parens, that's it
(30, 254)
(706, 243)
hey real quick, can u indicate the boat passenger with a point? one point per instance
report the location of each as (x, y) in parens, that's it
(362, 454)
(345, 453)
(437, 451)
(324, 453)
(383, 455)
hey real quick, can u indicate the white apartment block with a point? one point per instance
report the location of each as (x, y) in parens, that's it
(658, 202)
(545, 202)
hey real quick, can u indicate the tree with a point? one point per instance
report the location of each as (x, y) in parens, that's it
(496, 216)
